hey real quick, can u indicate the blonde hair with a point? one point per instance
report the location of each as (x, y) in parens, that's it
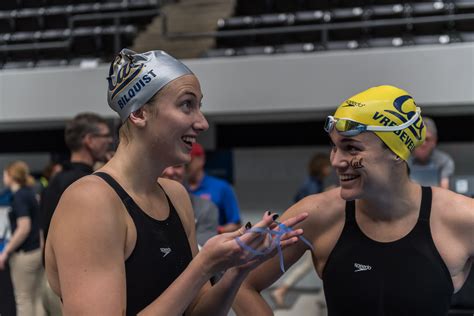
(125, 134)
(20, 173)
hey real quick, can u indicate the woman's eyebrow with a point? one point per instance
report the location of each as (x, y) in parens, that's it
(348, 140)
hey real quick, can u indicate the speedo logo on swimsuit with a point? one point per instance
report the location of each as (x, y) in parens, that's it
(165, 251)
(360, 267)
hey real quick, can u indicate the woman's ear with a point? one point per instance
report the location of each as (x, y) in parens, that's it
(138, 117)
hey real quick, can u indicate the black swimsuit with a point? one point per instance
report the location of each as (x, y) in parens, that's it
(161, 252)
(406, 277)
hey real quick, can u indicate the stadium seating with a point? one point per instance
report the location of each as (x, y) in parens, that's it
(266, 28)
(54, 32)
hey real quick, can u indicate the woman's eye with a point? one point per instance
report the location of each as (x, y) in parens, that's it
(186, 105)
(352, 148)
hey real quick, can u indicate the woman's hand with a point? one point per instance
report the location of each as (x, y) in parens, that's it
(3, 259)
(223, 251)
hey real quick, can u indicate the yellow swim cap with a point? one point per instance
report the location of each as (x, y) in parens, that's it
(386, 106)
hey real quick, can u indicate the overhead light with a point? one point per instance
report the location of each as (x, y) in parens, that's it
(269, 50)
(229, 52)
(444, 39)
(308, 47)
(353, 44)
(248, 20)
(357, 11)
(438, 5)
(220, 22)
(397, 8)
(89, 63)
(397, 41)
(318, 14)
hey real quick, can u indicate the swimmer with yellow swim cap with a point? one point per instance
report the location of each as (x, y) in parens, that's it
(389, 112)
(382, 244)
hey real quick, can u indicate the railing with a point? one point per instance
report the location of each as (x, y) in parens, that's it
(324, 28)
(65, 37)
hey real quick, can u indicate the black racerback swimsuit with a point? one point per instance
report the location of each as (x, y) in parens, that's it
(161, 252)
(406, 277)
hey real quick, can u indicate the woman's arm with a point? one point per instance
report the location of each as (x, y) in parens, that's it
(218, 299)
(22, 208)
(220, 253)
(249, 300)
(23, 228)
(319, 230)
(88, 238)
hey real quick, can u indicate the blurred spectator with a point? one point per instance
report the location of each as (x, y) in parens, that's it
(24, 247)
(7, 300)
(49, 172)
(205, 211)
(6, 197)
(319, 168)
(211, 188)
(46, 175)
(99, 164)
(428, 156)
(88, 138)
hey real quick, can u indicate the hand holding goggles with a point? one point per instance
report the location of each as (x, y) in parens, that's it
(275, 236)
(349, 128)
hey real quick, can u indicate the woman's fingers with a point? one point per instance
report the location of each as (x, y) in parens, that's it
(291, 234)
(239, 232)
(258, 229)
(288, 242)
(258, 244)
(292, 221)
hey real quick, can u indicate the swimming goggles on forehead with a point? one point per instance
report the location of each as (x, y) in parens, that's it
(348, 127)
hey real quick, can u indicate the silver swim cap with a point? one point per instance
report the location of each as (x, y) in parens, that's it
(135, 78)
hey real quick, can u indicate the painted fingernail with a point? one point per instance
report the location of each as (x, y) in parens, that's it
(275, 216)
(268, 213)
(248, 225)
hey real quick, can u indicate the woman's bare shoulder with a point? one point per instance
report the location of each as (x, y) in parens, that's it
(325, 210)
(89, 202)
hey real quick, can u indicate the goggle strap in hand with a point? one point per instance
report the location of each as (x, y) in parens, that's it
(275, 236)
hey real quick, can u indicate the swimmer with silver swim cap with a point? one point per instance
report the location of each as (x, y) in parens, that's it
(389, 112)
(111, 232)
(135, 78)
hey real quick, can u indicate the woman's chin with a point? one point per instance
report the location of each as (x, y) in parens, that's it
(350, 194)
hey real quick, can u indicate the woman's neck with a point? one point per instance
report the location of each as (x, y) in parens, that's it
(135, 168)
(392, 202)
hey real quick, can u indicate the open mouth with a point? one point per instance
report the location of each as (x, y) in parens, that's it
(189, 140)
(348, 177)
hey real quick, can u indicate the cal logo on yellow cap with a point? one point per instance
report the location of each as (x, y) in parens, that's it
(386, 106)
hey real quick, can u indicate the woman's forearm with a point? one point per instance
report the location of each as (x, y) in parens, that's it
(18, 237)
(218, 299)
(179, 295)
(249, 301)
